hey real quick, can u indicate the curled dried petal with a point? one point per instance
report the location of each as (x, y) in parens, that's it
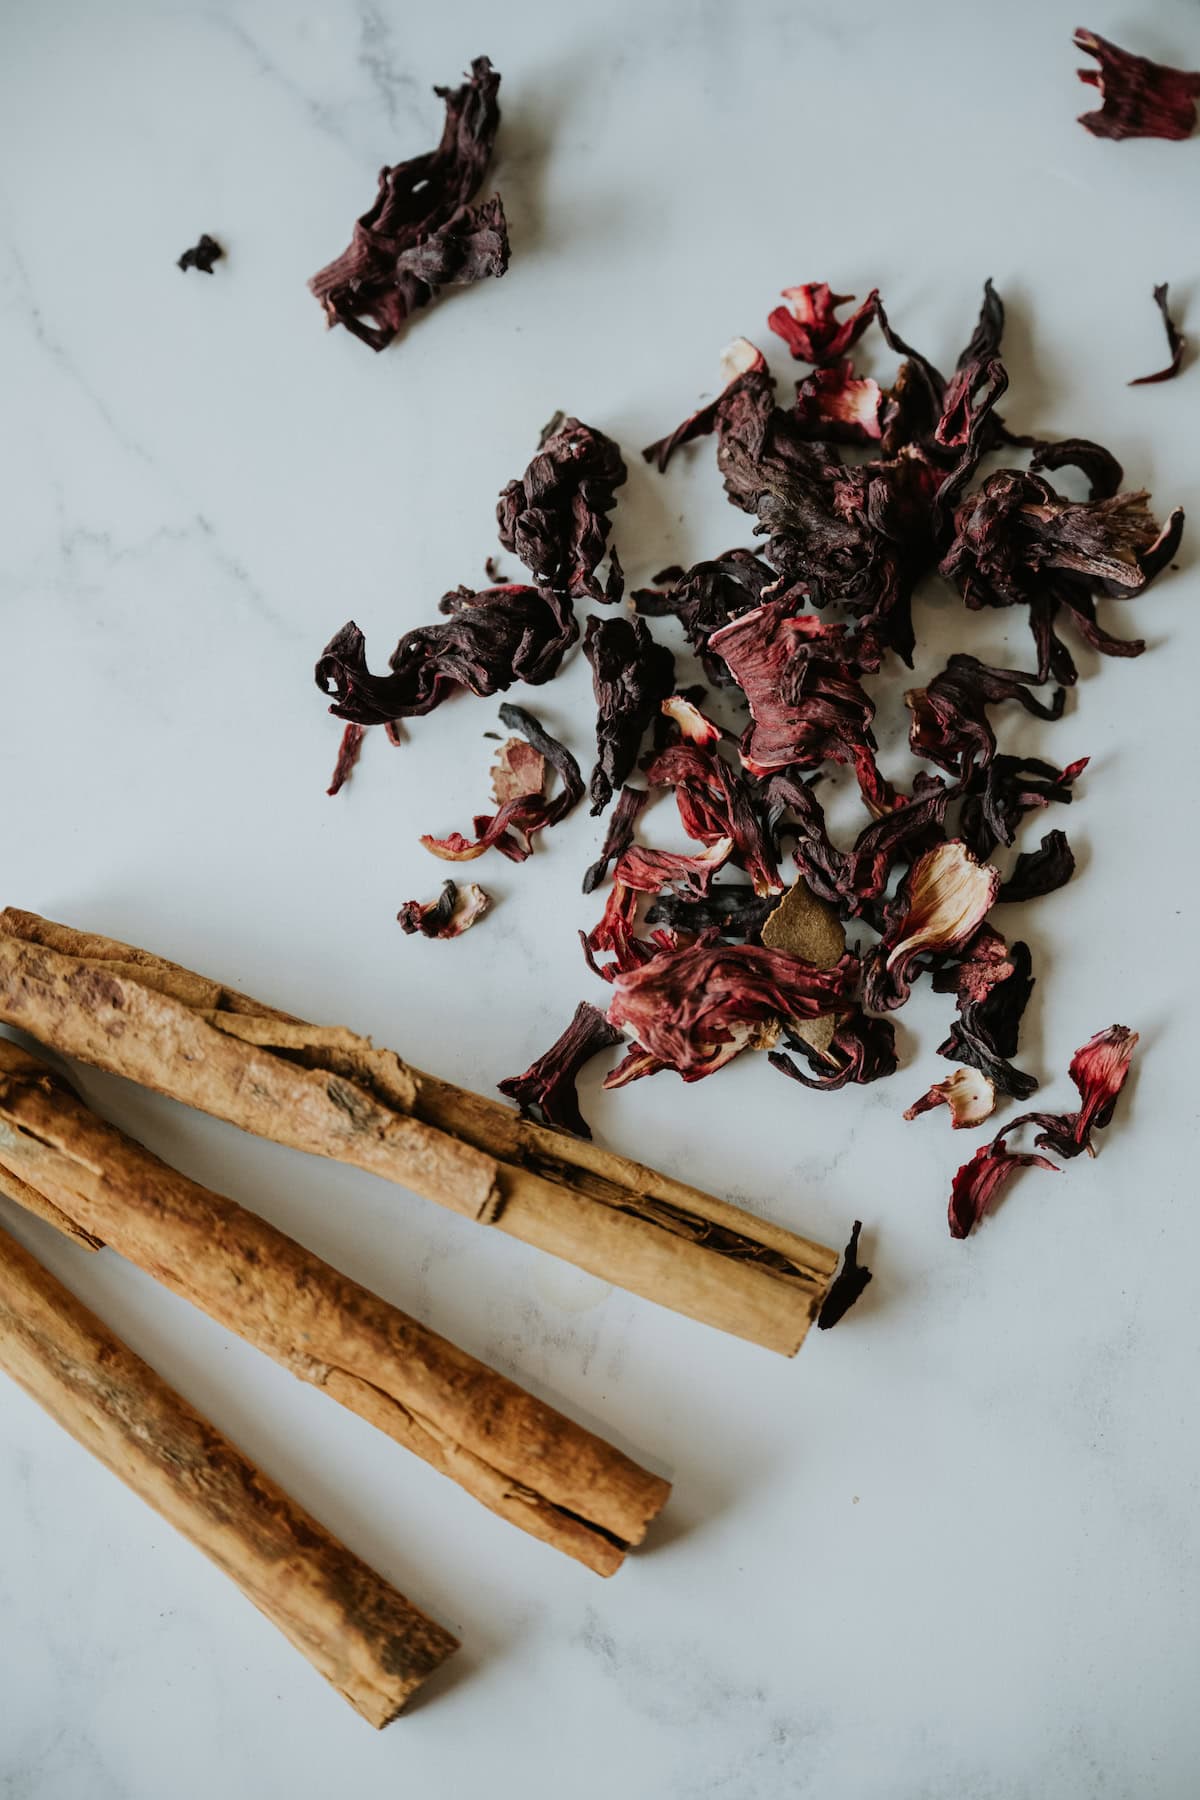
(528, 811)
(556, 517)
(946, 898)
(970, 1096)
(347, 757)
(454, 911)
(693, 725)
(715, 804)
(1176, 343)
(740, 362)
(950, 725)
(1139, 98)
(809, 325)
(861, 1049)
(631, 677)
(978, 1182)
(1040, 871)
(619, 835)
(847, 1286)
(994, 984)
(547, 1088)
(843, 408)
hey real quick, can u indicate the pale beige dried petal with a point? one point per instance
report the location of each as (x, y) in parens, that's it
(695, 726)
(518, 769)
(469, 908)
(950, 895)
(969, 1094)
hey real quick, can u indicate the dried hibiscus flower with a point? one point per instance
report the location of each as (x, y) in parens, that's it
(695, 1008)
(993, 984)
(555, 518)
(492, 639)
(742, 366)
(809, 325)
(648, 871)
(997, 797)
(203, 255)
(950, 725)
(840, 406)
(706, 597)
(619, 835)
(547, 1088)
(715, 805)
(969, 1095)
(1176, 343)
(847, 1286)
(454, 911)
(942, 902)
(978, 1182)
(420, 234)
(1040, 871)
(525, 809)
(800, 677)
(1139, 98)
(860, 1049)
(347, 757)
(631, 677)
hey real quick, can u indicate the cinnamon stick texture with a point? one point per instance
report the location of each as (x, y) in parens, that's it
(356, 1630)
(523, 1460)
(328, 1091)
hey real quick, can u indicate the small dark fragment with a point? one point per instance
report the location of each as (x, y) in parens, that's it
(619, 835)
(555, 518)
(861, 1049)
(993, 983)
(547, 1088)
(421, 234)
(347, 757)
(848, 1284)
(492, 639)
(1139, 98)
(1176, 343)
(730, 908)
(1040, 871)
(454, 911)
(1104, 473)
(491, 569)
(203, 255)
(631, 677)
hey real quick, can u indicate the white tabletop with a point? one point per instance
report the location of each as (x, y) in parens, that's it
(949, 1552)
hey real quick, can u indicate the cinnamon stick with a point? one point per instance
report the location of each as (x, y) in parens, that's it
(523, 1460)
(356, 1630)
(328, 1091)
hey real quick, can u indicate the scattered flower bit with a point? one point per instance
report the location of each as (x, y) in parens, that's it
(491, 639)
(1040, 871)
(998, 797)
(517, 769)
(861, 1049)
(741, 365)
(1139, 98)
(847, 1285)
(555, 518)
(694, 1009)
(969, 1095)
(349, 750)
(716, 804)
(706, 597)
(732, 909)
(421, 235)
(1099, 1070)
(978, 1182)
(647, 871)
(809, 326)
(513, 828)
(547, 1088)
(631, 677)
(993, 983)
(944, 900)
(693, 725)
(837, 405)
(619, 835)
(950, 725)
(203, 255)
(454, 911)
(1176, 342)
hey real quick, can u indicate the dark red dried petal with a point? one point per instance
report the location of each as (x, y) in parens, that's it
(1040, 871)
(979, 1181)
(649, 871)
(694, 1008)
(847, 1286)
(809, 326)
(527, 813)
(741, 365)
(708, 596)
(1099, 1071)
(862, 1049)
(994, 983)
(731, 909)
(547, 1088)
(631, 677)
(619, 835)
(347, 756)
(1176, 343)
(556, 517)
(493, 638)
(996, 798)
(419, 231)
(715, 804)
(950, 725)
(1139, 98)
(837, 405)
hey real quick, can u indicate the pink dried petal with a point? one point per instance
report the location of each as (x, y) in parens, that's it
(648, 871)
(518, 770)
(839, 406)
(809, 326)
(970, 1096)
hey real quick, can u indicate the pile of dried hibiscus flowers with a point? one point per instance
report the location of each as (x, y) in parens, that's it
(702, 967)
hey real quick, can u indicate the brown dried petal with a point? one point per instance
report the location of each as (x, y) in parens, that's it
(547, 1088)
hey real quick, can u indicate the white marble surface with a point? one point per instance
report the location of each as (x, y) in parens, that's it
(949, 1553)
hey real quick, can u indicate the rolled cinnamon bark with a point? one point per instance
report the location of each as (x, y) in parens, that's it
(328, 1091)
(523, 1460)
(354, 1628)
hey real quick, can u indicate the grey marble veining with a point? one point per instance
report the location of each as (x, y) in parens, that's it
(948, 1554)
